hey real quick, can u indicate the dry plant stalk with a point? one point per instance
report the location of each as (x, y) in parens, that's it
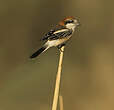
(61, 102)
(58, 78)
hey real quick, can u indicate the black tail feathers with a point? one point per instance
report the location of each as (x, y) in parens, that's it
(38, 52)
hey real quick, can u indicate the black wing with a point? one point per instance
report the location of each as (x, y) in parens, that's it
(50, 33)
(60, 35)
(57, 33)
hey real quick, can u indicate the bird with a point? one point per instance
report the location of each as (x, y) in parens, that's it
(58, 36)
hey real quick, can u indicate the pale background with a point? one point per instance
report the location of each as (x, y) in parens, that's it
(88, 66)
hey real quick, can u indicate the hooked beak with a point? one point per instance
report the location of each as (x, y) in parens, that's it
(77, 22)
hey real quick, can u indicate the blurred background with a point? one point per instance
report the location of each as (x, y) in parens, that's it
(87, 73)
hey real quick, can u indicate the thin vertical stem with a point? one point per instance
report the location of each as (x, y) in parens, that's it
(58, 78)
(61, 102)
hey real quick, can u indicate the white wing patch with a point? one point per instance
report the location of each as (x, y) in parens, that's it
(56, 42)
(62, 30)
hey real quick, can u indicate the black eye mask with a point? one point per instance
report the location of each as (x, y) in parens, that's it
(69, 21)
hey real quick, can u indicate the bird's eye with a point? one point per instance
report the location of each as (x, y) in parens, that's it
(69, 21)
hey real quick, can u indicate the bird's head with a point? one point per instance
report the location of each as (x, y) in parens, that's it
(69, 22)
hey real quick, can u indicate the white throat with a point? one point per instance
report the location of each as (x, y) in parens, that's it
(70, 26)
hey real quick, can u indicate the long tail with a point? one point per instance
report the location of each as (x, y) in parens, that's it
(38, 52)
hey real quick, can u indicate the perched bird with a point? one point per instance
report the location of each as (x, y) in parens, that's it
(58, 36)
